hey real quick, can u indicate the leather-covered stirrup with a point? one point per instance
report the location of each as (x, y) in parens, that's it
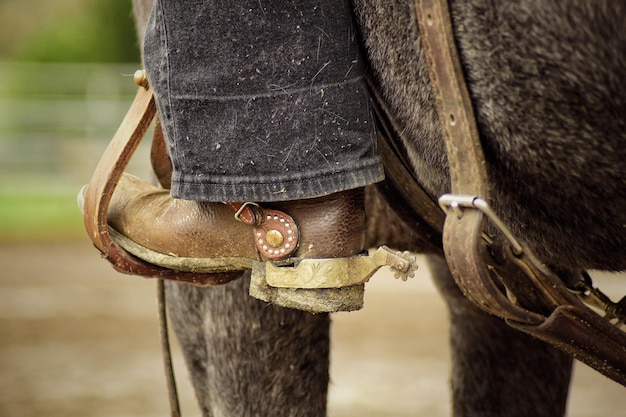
(513, 285)
(125, 256)
(97, 197)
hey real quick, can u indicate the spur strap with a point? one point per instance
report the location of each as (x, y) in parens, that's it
(488, 272)
(276, 234)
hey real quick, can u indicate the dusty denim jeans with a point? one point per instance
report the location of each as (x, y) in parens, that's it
(261, 100)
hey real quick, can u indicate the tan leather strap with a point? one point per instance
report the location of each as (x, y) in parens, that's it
(112, 164)
(456, 115)
(98, 193)
(541, 304)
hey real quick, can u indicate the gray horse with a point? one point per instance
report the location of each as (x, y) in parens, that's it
(547, 81)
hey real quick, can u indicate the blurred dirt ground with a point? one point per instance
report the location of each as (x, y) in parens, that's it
(78, 339)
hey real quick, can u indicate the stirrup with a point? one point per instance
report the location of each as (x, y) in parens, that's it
(97, 195)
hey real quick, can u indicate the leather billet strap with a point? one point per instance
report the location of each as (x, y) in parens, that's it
(513, 284)
(98, 193)
(401, 188)
(395, 159)
(456, 115)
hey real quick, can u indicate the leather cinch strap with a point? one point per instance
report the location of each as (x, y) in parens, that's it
(543, 306)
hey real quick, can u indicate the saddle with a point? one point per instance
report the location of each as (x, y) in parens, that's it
(497, 273)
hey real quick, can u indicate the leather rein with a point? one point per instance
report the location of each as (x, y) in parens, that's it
(499, 274)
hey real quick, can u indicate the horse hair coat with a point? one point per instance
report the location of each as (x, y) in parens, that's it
(547, 83)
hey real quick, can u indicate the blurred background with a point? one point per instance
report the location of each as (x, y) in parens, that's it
(65, 82)
(76, 338)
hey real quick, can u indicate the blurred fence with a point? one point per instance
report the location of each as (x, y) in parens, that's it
(56, 119)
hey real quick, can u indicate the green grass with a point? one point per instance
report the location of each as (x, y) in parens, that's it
(41, 216)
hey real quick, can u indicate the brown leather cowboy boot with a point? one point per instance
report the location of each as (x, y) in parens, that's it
(157, 227)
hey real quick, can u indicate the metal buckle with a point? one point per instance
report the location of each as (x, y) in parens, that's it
(456, 204)
(614, 312)
(243, 207)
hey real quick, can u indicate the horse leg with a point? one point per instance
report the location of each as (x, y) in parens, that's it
(496, 370)
(248, 358)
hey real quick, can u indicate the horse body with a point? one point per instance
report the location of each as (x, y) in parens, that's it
(546, 81)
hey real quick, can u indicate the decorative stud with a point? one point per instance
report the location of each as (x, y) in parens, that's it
(141, 79)
(274, 238)
(277, 237)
